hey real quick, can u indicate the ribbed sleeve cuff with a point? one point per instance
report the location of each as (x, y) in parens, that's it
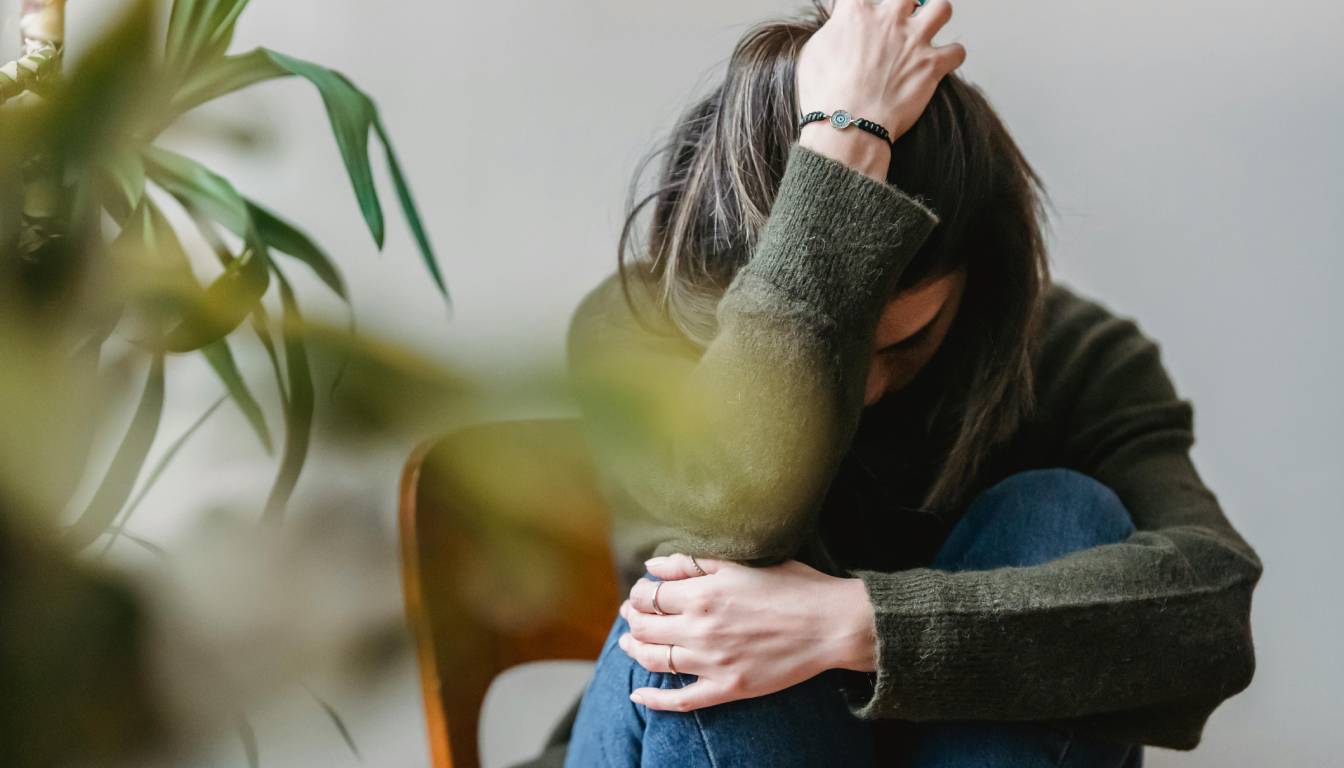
(913, 609)
(836, 240)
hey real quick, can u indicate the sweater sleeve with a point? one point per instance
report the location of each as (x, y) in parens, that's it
(727, 451)
(1136, 641)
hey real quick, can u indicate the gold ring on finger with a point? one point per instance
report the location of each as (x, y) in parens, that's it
(698, 569)
(656, 608)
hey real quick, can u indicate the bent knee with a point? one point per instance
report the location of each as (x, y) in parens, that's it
(1065, 501)
(1037, 515)
(1074, 506)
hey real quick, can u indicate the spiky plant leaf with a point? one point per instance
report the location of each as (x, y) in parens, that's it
(122, 175)
(126, 464)
(222, 77)
(288, 239)
(231, 297)
(353, 117)
(299, 415)
(200, 31)
(221, 359)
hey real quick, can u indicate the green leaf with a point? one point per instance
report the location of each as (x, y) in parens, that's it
(200, 188)
(230, 298)
(261, 325)
(102, 96)
(200, 30)
(122, 175)
(154, 474)
(224, 76)
(299, 417)
(151, 229)
(352, 115)
(288, 239)
(409, 209)
(221, 359)
(126, 465)
(223, 307)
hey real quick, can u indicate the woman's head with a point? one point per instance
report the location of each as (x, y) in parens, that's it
(969, 300)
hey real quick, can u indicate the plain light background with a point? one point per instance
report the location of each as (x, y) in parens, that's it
(1192, 148)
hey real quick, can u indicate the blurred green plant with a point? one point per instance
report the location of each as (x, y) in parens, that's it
(95, 284)
(99, 297)
(95, 159)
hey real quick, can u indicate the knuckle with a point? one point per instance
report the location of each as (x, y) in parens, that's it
(734, 683)
(705, 600)
(698, 603)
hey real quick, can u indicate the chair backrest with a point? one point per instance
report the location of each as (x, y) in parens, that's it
(505, 560)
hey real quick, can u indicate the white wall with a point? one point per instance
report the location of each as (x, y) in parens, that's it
(1192, 148)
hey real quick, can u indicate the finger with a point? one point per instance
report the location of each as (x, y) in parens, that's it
(932, 16)
(947, 58)
(671, 596)
(902, 7)
(652, 628)
(698, 695)
(653, 656)
(674, 567)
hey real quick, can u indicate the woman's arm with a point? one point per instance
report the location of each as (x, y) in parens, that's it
(1136, 641)
(728, 452)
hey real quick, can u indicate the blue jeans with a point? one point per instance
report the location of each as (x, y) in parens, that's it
(1026, 519)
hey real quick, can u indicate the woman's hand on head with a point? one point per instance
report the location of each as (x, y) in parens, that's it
(877, 61)
(744, 631)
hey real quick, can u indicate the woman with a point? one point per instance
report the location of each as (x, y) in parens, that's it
(894, 497)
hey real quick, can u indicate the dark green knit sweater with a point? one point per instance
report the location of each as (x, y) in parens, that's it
(743, 450)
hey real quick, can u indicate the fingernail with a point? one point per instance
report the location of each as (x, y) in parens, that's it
(623, 640)
(654, 562)
(635, 697)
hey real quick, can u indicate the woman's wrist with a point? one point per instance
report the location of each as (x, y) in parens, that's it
(860, 150)
(855, 644)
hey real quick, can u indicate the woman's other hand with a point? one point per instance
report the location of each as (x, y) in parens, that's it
(743, 631)
(877, 61)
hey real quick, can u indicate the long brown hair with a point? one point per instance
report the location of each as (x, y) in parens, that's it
(725, 159)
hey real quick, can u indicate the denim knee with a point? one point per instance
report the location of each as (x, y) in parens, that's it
(1033, 516)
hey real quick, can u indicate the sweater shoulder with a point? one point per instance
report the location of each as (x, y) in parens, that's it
(1094, 358)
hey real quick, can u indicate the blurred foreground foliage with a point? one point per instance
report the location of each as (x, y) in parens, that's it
(98, 297)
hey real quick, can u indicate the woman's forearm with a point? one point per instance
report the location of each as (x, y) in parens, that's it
(728, 454)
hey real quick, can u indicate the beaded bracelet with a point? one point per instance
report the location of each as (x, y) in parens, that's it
(841, 119)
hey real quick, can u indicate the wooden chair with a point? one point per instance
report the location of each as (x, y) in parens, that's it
(505, 560)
